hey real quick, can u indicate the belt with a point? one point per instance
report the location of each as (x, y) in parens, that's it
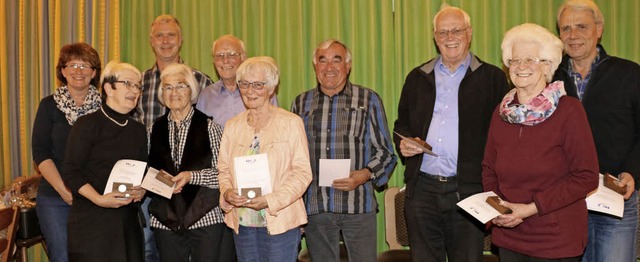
(442, 179)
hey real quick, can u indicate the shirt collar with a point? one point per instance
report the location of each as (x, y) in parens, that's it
(462, 67)
(347, 90)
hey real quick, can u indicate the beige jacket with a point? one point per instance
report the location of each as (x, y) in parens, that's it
(285, 143)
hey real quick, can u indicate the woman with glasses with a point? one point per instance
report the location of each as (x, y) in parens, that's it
(106, 227)
(540, 157)
(78, 70)
(266, 215)
(184, 144)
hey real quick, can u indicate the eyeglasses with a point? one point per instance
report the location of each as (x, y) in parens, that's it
(456, 32)
(82, 67)
(230, 56)
(529, 61)
(257, 86)
(178, 87)
(130, 85)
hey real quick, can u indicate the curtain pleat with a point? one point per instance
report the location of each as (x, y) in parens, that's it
(387, 38)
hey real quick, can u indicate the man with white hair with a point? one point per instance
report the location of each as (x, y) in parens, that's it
(609, 88)
(448, 103)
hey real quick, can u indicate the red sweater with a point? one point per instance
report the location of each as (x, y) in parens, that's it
(553, 164)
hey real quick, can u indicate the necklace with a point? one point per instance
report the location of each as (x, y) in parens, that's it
(113, 120)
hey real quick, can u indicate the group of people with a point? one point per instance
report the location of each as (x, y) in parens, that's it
(539, 146)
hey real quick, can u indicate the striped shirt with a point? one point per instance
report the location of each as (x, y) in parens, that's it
(349, 125)
(207, 177)
(149, 107)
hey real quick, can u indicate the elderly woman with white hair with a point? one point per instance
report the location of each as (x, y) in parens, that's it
(266, 217)
(184, 143)
(540, 157)
(106, 227)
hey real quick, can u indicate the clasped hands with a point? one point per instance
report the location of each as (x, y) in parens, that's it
(118, 199)
(232, 197)
(517, 216)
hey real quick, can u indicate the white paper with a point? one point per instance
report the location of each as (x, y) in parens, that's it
(126, 171)
(332, 169)
(605, 200)
(478, 207)
(252, 171)
(154, 185)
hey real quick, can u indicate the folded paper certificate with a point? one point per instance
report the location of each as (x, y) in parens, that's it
(478, 207)
(426, 148)
(605, 200)
(252, 172)
(125, 172)
(332, 169)
(159, 182)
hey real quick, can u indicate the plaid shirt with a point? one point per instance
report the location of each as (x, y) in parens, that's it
(350, 125)
(207, 177)
(149, 107)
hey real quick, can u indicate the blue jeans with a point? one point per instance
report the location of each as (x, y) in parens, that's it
(52, 214)
(150, 249)
(613, 239)
(358, 232)
(255, 244)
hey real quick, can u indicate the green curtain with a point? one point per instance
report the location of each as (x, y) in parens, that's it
(388, 38)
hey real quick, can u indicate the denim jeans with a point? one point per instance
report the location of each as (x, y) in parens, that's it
(613, 239)
(52, 214)
(358, 232)
(254, 244)
(150, 249)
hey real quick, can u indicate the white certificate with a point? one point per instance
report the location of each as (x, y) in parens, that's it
(251, 172)
(478, 207)
(605, 200)
(158, 182)
(332, 169)
(125, 171)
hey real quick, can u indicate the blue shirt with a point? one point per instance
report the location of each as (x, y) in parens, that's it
(218, 102)
(443, 130)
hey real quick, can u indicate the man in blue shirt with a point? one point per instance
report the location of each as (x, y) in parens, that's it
(447, 102)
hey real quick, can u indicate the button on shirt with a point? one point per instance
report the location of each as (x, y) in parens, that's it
(443, 130)
(218, 102)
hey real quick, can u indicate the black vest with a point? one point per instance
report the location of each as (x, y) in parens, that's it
(190, 205)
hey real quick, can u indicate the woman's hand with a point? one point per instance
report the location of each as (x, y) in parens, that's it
(66, 196)
(234, 199)
(112, 200)
(257, 203)
(181, 179)
(137, 193)
(519, 213)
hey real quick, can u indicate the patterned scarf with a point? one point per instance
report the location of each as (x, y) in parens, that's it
(67, 105)
(537, 110)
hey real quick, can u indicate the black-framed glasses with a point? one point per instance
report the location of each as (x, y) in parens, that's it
(456, 32)
(130, 85)
(230, 55)
(256, 85)
(82, 67)
(182, 87)
(529, 61)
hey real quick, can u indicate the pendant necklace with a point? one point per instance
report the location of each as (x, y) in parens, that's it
(113, 120)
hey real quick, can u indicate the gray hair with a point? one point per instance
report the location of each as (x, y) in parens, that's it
(260, 64)
(583, 5)
(180, 71)
(447, 8)
(326, 44)
(550, 45)
(112, 72)
(230, 38)
(165, 19)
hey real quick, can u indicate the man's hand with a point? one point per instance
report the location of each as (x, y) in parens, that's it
(408, 149)
(356, 178)
(626, 180)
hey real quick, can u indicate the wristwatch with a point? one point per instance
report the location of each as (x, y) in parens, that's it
(373, 175)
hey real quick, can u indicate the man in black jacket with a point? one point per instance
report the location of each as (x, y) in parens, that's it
(609, 88)
(447, 102)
